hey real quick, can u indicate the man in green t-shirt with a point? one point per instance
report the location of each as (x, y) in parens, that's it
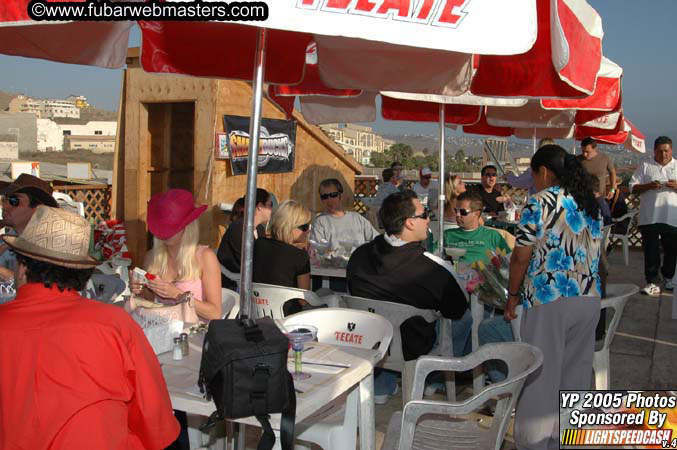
(477, 239)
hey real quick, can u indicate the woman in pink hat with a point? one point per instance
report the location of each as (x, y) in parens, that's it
(179, 268)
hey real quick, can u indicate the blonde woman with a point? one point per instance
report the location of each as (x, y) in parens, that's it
(453, 187)
(177, 264)
(276, 258)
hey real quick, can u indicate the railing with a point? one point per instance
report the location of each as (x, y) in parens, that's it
(367, 187)
(96, 198)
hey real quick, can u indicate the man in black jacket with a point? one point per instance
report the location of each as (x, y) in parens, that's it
(394, 267)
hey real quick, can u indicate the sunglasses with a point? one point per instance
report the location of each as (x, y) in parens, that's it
(305, 227)
(464, 212)
(329, 194)
(424, 215)
(13, 199)
(490, 175)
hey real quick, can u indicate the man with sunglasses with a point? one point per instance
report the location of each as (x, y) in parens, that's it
(19, 201)
(489, 192)
(470, 235)
(336, 224)
(394, 267)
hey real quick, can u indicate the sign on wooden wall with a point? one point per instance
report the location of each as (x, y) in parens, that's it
(277, 146)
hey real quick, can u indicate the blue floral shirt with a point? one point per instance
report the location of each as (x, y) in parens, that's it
(566, 245)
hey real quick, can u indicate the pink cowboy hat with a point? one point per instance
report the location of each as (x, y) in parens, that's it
(170, 212)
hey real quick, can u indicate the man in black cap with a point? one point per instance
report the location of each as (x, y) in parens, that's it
(19, 200)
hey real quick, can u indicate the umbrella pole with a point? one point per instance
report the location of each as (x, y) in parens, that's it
(534, 151)
(247, 262)
(440, 206)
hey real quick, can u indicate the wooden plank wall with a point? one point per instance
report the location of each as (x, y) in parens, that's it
(317, 156)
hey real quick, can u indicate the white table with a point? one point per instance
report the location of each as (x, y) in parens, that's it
(326, 273)
(326, 384)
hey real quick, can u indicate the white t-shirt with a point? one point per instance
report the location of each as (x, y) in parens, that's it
(427, 195)
(656, 205)
(349, 227)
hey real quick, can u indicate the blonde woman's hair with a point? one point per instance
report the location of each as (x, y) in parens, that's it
(187, 265)
(450, 189)
(546, 141)
(287, 216)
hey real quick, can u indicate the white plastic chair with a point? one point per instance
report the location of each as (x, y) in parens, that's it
(397, 313)
(434, 424)
(617, 297)
(335, 426)
(104, 288)
(231, 276)
(624, 238)
(67, 202)
(268, 299)
(230, 304)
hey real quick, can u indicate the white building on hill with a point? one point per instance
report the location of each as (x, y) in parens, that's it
(357, 140)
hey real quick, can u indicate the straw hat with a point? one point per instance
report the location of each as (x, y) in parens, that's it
(170, 212)
(55, 236)
(28, 184)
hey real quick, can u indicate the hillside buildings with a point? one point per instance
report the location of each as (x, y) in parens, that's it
(55, 125)
(357, 140)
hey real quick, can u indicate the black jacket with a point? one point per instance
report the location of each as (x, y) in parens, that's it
(379, 271)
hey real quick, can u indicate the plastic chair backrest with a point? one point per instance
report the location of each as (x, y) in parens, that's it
(230, 303)
(104, 288)
(522, 359)
(347, 327)
(66, 201)
(629, 215)
(395, 313)
(617, 296)
(268, 299)
(231, 275)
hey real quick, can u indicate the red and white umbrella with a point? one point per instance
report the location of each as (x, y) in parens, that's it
(563, 63)
(630, 137)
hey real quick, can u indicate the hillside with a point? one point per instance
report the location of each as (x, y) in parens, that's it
(85, 113)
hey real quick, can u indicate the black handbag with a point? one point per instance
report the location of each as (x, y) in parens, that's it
(244, 370)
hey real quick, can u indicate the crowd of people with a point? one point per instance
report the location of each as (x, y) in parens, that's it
(102, 375)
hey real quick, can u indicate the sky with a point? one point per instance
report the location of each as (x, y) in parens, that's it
(638, 35)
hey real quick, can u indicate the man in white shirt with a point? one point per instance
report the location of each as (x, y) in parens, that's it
(426, 189)
(655, 181)
(336, 224)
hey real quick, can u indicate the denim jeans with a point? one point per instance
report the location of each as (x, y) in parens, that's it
(495, 329)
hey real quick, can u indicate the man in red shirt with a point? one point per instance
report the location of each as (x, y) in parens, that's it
(74, 373)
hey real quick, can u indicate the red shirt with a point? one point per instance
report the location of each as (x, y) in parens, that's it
(78, 374)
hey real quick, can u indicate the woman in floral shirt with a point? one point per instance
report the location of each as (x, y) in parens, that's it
(554, 274)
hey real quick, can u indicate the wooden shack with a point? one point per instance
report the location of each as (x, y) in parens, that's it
(166, 139)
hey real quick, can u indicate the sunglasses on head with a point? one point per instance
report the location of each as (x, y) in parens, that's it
(305, 227)
(329, 194)
(13, 199)
(464, 212)
(424, 215)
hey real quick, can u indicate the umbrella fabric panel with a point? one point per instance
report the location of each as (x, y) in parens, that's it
(102, 44)
(377, 66)
(408, 110)
(449, 25)
(217, 50)
(318, 109)
(533, 74)
(577, 43)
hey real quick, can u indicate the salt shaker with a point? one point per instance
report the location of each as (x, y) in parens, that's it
(177, 352)
(184, 344)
